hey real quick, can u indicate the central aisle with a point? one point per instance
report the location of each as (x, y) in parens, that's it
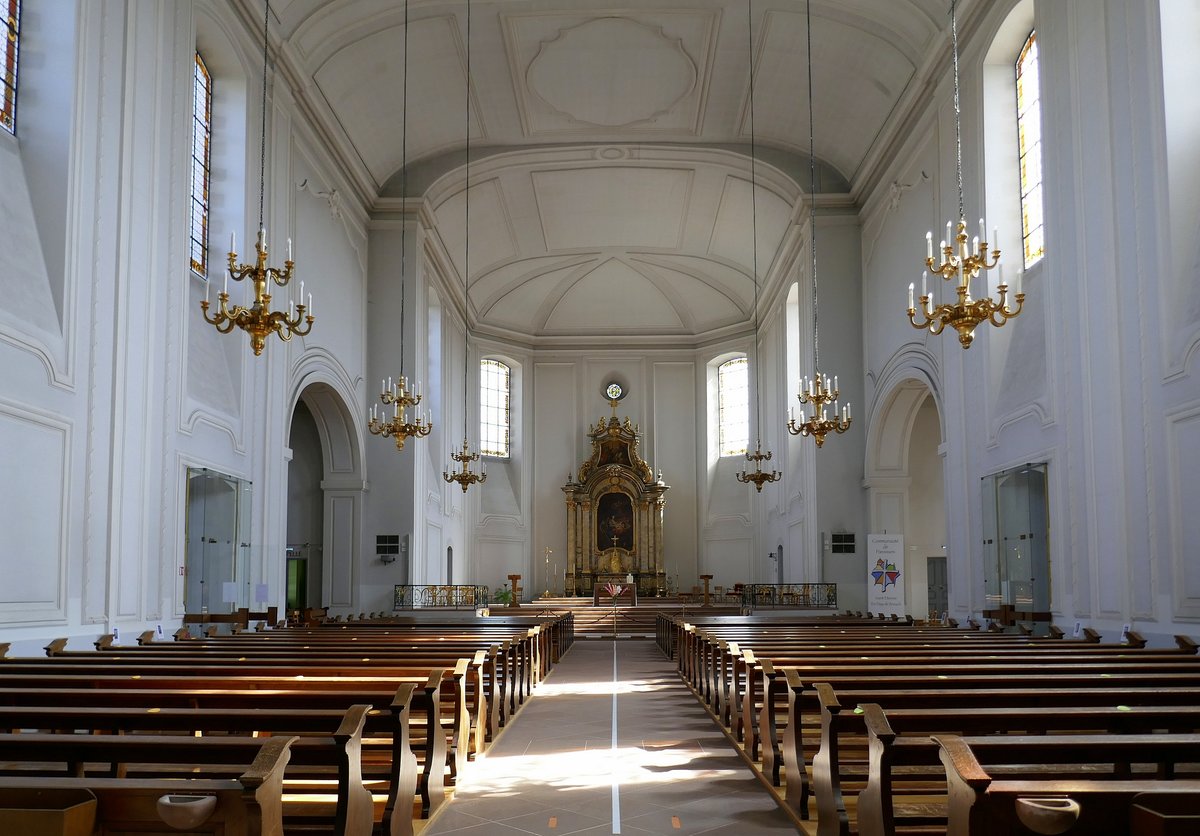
(612, 742)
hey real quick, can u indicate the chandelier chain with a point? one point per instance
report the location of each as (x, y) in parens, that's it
(262, 143)
(957, 112)
(403, 180)
(754, 211)
(812, 190)
(467, 231)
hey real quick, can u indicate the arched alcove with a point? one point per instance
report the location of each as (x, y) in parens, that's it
(906, 488)
(321, 408)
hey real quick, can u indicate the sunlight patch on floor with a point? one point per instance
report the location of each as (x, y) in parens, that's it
(598, 689)
(589, 769)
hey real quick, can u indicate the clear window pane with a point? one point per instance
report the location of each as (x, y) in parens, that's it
(733, 399)
(1029, 140)
(494, 391)
(8, 91)
(201, 158)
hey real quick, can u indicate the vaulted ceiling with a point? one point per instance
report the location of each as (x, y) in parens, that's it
(610, 170)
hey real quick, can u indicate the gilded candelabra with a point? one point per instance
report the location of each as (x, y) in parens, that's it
(259, 320)
(759, 476)
(821, 395)
(964, 263)
(465, 478)
(401, 399)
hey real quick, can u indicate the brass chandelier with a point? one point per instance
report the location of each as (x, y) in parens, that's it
(398, 395)
(758, 477)
(463, 476)
(258, 320)
(961, 261)
(817, 391)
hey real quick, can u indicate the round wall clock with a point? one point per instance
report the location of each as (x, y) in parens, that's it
(614, 391)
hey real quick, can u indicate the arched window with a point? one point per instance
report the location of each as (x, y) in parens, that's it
(8, 107)
(202, 97)
(495, 380)
(1029, 142)
(733, 406)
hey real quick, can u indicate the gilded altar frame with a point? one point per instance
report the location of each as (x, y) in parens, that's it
(615, 508)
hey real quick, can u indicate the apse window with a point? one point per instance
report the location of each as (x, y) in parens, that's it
(202, 90)
(495, 380)
(733, 405)
(1029, 143)
(8, 116)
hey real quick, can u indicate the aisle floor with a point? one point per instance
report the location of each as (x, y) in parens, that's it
(611, 742)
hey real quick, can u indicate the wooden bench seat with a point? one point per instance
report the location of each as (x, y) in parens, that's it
(336, 755)
(907, 763)
(249, 805)
(402, 738)
(981, 803)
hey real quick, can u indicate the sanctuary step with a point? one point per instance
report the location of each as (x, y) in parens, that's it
(598, 621)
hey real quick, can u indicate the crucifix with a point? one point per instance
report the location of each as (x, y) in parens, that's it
(549, 551)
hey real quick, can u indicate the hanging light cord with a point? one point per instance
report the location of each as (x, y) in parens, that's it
(467, 232)
(262, 147)
(754, 213)
(812, 193)
(403, 179)
(957, 114)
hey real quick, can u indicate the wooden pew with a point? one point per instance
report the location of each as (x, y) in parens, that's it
(842, 727)
(249, 805)
(402, 715)
(908, 765)
(983, 803)
(181, 756)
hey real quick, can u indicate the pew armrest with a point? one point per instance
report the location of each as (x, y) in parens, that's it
(262, 783)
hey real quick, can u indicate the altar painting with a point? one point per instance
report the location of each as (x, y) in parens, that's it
(614, 522)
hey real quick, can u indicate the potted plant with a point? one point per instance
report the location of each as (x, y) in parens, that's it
(503, 595)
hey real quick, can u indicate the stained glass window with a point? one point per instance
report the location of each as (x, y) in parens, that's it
(8, 115)
(1029, 139)
(733, 404)
(494, 383)
(201, 170)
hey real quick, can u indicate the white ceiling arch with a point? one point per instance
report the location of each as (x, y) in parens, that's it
(613, 241)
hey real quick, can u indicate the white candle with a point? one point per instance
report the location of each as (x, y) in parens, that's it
(910, 295)
(995, 238)
(975, 244)
(233, 242)
(225, 287)
(289, 258)
(847, 411)
(929, 244)
(835, 386)
(1000, 274)
(949, 231)
(982, 230)
(389, 385)
(310, 307)
(301, 292)
(262, 237)
(924, 283)
(1017, 283)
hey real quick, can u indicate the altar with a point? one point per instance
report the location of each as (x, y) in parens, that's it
(615, 514)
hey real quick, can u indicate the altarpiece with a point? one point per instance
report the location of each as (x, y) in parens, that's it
(615, 514)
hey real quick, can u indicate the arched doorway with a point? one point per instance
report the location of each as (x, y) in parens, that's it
(906, 490)
(324, 502)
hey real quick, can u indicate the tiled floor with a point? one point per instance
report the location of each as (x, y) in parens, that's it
(559, 768)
